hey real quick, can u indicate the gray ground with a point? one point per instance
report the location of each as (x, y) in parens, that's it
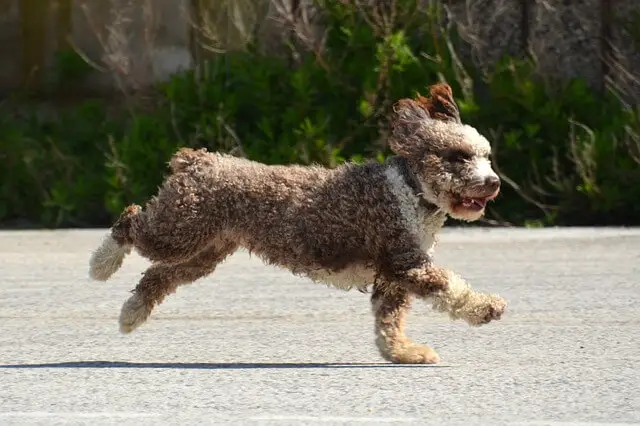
(255, 345)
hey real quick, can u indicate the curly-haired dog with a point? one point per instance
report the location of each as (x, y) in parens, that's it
(352, 226)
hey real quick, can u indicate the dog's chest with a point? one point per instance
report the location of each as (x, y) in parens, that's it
(423, 225)
(425, 229)
(419, 221)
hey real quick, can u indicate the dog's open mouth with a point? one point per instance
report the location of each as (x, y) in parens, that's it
(475, 204)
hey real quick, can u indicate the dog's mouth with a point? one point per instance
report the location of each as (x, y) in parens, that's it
(474, 204)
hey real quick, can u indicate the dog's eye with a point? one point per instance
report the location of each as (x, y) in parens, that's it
(458, 156)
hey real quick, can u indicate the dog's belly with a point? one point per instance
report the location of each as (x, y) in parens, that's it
(346, 279)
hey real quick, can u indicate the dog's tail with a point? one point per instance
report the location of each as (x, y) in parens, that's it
(108, 258)
(182, 159)
(187, 157)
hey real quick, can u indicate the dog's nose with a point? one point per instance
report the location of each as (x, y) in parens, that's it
(492, 181)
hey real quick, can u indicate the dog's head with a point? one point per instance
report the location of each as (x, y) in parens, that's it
(451, 160)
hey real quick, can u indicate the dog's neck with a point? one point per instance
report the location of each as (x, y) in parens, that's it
(412, 181)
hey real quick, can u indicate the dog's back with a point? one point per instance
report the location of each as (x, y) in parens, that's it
(300, 217)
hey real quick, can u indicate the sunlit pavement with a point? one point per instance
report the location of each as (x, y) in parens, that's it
(255, 345)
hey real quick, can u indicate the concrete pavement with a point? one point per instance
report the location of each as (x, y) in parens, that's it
(254, 345)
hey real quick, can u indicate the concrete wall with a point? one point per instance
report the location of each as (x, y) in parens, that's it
(142, 41)
(140, 44)
(598, 40)
(138, 41)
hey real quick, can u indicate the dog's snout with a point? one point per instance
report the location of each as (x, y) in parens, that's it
(492, 181)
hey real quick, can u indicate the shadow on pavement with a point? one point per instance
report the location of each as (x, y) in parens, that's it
(210, 366)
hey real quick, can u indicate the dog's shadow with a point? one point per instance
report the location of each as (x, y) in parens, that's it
(212, 365)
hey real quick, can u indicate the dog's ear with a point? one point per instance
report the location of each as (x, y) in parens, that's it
(440, 104)
(407, 117)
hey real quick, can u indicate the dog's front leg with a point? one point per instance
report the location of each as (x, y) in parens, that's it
(460, 301)
(390, 306)
(449, 293)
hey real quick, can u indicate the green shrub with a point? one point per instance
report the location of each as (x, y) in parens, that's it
(567, 155)
(570, 153)
(54, 165)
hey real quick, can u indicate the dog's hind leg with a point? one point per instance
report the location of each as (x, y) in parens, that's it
(160, 280)
(159, 233)
(108, 258)
(390, 306)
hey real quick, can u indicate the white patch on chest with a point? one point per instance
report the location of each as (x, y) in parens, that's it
(419, 222)
(346, 279)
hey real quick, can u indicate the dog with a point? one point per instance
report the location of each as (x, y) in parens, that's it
(368, 226)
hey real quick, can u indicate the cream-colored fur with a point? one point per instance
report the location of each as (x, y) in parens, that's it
(461, 302)
(134, 312)
(107, 259)
(351, 277)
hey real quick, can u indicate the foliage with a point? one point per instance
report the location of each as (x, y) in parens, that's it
(567, 155)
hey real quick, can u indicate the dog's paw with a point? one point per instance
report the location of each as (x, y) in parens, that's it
(414, 354)
(134, 312)
(494, 310)
(491, 308)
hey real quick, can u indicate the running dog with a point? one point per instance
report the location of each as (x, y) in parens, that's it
(368, 226)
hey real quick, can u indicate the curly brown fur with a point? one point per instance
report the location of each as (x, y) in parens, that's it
(352, 226)
(441, 105)
(390, 307)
